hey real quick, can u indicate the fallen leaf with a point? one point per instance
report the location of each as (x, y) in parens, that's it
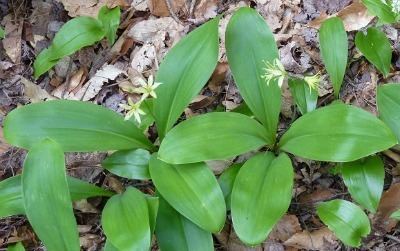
(34, 92)
(144, 58)
(3, 145)
(75, 82)
(389, 203)
(355, 16)
(321, 239)
(205, 9)
(318, 195)
(159, 7)
(84, 206)
(93, 86)
(287, 226)
(218, 77)
(140, 5)
(90, 7)
(12, 42)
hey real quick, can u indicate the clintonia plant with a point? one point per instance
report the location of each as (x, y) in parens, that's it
(189, 203)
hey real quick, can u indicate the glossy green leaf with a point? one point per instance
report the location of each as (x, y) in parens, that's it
(153, 204)
(110, 20)
(395, 215)
(2, 33)
(16, 247)
(337, 133)
(304, 96)
(76, 126)
(333, 44)
(183, 72)
(364, 179)
(73, 35)
(212, 136)
(125, 221)
(109, 247)
(131, 164)
(249, 44)
(147, 119)
(46, 197)
(261, 195)
(388, 100)
(11, 194)
(380, 9)
(226, 181)
(192, 190)
(175, 232)
(346, 220)
(375, 46)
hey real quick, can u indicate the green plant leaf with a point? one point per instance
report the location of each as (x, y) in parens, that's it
(73, 35)
(346, 220)
(110, 20)
(11, 194)
(250, 43)
(395, 215)
(388, 101)
(76, 126)
(380, 9)
(16, 247)
(333, 44)
(261, 195)
(375, 46)
(153, 204)
(192, 190)
(46, 197)
(304, 96)
(131, 164)
(175, 232)
(226, 181)
(125, 221)
(212, 136)
(364, 179)
(337, 133)
(109, 247)
(2, 33)
(183, 72)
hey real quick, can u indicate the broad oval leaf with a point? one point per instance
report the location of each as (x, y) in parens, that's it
(346, 220)
(388, 100)
(73, 35)
(304, 96)
(375, 46)
(153, 204)
(46, 197)
(249, 44)
(364, 179)
(337, 133)
(380, 9)
(183, 72)
(16, 247)
(226, 181)
(261, 195)
(192, 190)
(110, 20)
(131, 164)
(175, 232)
(333, 44)
(76, 126)
(11, 194)
(212, 136)
(125, 221)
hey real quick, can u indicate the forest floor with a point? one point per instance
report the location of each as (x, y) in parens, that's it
(148, 30)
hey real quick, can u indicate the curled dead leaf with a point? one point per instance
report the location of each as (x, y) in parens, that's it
(389, 203)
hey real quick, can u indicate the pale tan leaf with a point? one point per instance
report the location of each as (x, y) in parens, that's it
(89, 7)
(34, 92)
(287, 226)
(12, 42)
(389, 203)
(321, 239)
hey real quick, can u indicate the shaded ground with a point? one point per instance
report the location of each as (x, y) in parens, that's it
(146, 33)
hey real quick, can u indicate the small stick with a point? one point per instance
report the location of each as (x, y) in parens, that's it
(172, 13)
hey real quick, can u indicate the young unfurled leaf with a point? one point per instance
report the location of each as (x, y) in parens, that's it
(192, 190)
(304, 96)
(375, 46)
(337, 133)
(333, 44)
(175, 232)
(249, 44)
(346, 220)
(110, 20)
(364, 179)
(11, 194)
(125, 221)
(16, 247)
(226, 181)
(261, 195)
(46, 197)
(381, 9)
(183, 72)
(131, 164)
(217, 135)
(388, 100)
(76, 126)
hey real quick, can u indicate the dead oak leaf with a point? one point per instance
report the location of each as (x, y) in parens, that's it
(90, 7)
(287, 226)
(12, 42)
(321, 239)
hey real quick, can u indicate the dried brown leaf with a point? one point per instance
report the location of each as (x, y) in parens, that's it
(159, 7)
(34, 92)
(287, 226)
(318, 195)
(389, 203)
(12, 42)
(321, 239)
(89, 7)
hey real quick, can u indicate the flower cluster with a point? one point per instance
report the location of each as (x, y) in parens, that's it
(146, 89)
(274, 71)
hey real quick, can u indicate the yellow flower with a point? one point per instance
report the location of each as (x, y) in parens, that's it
(274, 71)
(133, 110)
(313, 81)
(147, 88)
